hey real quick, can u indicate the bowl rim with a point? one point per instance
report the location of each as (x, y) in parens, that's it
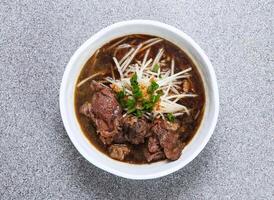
(212, 78)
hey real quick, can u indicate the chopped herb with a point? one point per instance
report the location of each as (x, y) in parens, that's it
(147, 106)
(121, 98)
(170, 117)
(155, 98)
(137, 93)
(133, 79)
(131, 103)
(121, 94)
(131, 110)
(138, 113)
(153, 86)
(156, 67)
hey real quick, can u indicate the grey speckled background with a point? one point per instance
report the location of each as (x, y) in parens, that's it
(37, 159)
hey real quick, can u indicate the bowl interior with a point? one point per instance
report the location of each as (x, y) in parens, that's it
(135, 171)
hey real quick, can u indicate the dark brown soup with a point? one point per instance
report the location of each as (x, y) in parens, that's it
(139, 99)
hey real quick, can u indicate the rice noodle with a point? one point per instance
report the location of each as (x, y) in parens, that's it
(149, 45)
(171, 107)
(112, 72)
(157, 58)
(147, 63)
(152, 73)
(117, 43)
(176, 86)
(138, 62)
(173, 89)
(89, 78)
(124, 46)
(127, 62)
(172, 72)
(181, 96)
(166, 74)
(162, 115)
(125, 56)
(178, 114)
(150, 40)
(118, 67)
(143, 66)
(172, 77)
(95, 57)
(177, 99)
(197, 114)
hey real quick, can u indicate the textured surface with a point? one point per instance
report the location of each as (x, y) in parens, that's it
(38, 161)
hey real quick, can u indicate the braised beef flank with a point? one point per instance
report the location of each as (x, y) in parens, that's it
(153, 144)
(168, 138)
(130, 131)
(118, 151)
(150, 157)
(135, 130)
(104, 110)
(154, 150)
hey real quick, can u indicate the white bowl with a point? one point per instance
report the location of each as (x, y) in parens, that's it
(137, 171)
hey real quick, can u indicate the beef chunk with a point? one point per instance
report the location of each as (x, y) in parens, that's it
(135, 130)
(118, 151)
(104, 110)
(172, 146)
(86, 109)
(159, 155)
(119, 138)
(168, 138)
(154, 151)
(153, 144)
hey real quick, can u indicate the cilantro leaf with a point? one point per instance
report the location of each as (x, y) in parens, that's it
(121, 98)
(138, 113)
(131, 103)
(155, 98)
(153, 86)
(136, 91)
(170, 117)
(147, 106)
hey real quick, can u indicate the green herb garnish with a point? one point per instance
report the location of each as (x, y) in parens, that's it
(153, 86)
(136, 91)
(138, 113)
(147, 106)
(131, 103)
(155, 98)
(121, 94)
(156, 67)
(121, 98)
(131, 110)
(170, 117)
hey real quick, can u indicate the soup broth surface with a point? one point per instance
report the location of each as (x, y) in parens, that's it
(102, 63)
